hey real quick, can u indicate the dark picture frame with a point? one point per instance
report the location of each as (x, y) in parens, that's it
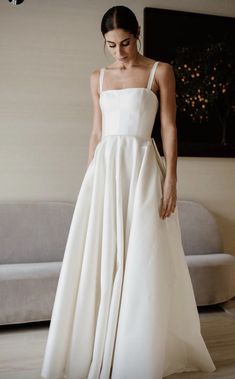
(201, 50)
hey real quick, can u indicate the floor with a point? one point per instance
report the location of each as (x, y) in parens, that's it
(22, 346)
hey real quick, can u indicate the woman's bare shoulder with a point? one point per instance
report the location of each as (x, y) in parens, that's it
(94, 78)
(94, 81)
(164, 68)
(95, 74)
(164, 73)
(165, 76)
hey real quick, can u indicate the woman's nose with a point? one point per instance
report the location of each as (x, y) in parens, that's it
(119, 51)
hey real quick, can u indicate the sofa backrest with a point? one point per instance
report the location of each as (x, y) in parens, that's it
(37, 231)
(34, 231)
(199, 229)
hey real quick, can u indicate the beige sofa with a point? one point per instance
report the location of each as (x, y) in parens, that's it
(32, 242)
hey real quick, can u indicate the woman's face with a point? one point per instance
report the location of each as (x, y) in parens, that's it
(121, 44)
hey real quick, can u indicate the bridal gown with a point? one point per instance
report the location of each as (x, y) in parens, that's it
(124, 305)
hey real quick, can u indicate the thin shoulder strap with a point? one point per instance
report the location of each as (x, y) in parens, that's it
(151, 75)
(101, 78)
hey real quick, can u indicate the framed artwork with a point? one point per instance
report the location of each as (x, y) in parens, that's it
(201, 50)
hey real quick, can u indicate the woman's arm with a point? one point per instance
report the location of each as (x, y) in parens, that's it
(167, 86)
(97, 116)
(166, 82)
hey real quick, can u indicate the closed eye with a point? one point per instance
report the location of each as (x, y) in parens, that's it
(122, 45)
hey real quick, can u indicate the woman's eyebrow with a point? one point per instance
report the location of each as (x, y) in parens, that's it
(121, 41)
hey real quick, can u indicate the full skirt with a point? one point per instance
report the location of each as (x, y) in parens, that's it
(124, 306)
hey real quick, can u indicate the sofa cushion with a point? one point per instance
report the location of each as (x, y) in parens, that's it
(212, 277)
(27, 291)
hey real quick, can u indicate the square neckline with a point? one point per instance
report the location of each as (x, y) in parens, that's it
(148, 88)
(130, 88)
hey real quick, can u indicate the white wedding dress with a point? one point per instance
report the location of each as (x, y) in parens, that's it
(124, 306)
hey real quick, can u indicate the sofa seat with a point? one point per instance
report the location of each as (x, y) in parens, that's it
(27, 291)
(33, 236)
(207, 272)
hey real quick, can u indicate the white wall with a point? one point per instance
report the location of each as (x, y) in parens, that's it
(48, 49)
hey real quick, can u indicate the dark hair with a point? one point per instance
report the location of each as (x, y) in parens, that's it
(120, 17)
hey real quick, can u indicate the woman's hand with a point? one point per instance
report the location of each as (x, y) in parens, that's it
(169, 197)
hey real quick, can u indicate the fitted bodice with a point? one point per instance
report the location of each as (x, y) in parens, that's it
(129, 111)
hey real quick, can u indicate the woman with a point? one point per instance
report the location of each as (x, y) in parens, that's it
(125, 306)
